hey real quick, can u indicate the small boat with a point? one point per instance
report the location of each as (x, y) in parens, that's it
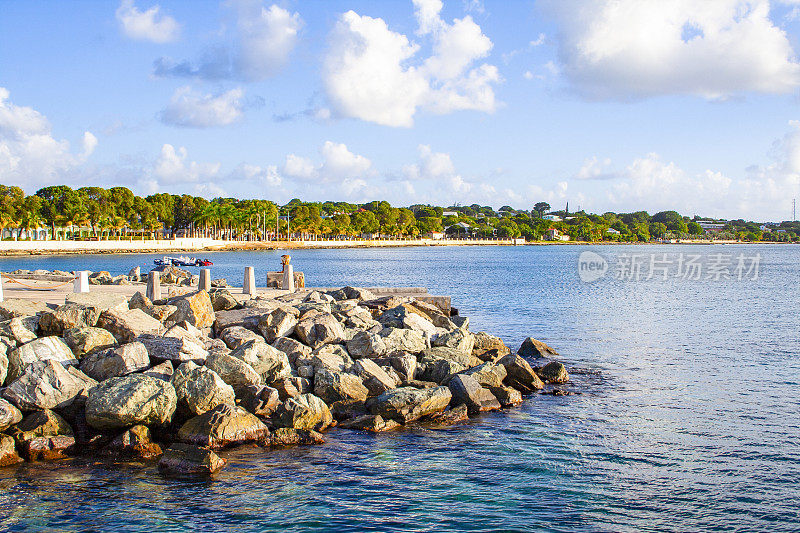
(182, 261)
(204, 262)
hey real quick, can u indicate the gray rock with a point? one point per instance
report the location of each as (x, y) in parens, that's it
(8, 451)
(9, 415)
(405, 340)
(279, 323)
(223, 300)
(489, 347)
(334, 386)
(235, 336)
(44, 385)
(247, 317)
(183, 459)
(507, 396)
(127, 325)
(534, 349)
(160, 312)
(164, 371)
(458, 339)
(18, 307)
(234, 371)
(120, 361)
(520, 374)
(406, 404)
(463, 358)
(44, 435)
(22, 328)
(405, 365)
(553, 372)
(488, 374)
(467, 390)
(364, 344)
(84, 341)
(291, 347)
(319, 329)
(200, 389)
(43, 349)
(374, 377)
(68, 316)
(222, 426)
(173, 348)
(270, 363)
(195, 308)
(330, 356)
(305, 412)
(129, 400)
(139, 301)
(261, 401)
(3, 364)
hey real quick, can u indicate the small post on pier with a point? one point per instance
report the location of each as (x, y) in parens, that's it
(205, 279)
(81, 283)
(154, 285)
(288, 273)
(1, 287)
(249, 286)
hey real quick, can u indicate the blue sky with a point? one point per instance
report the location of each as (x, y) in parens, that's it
(611, 105)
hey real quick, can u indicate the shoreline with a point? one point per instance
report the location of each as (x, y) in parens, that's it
(187, 245)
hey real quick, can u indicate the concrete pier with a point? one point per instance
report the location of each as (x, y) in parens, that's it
(81, 283)
(205, 279)
(249, 286)
(154, 285)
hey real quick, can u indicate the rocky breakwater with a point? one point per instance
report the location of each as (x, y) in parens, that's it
(179, 380)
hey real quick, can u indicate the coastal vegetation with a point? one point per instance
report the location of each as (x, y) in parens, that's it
(98, 213)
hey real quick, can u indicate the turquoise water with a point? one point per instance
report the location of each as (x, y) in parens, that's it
(689, 418)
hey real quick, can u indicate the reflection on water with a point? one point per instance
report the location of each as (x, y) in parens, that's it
(688, 417)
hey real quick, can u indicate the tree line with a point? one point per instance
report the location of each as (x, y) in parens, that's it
(100, 213)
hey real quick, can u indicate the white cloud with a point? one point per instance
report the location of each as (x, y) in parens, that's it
(29, 155)
(172, 167)
(338, 165)
(618, 49)
(368, 70)
(264, 40)
(203, 110)
(268, 176)
(149, 25)
(595, 169)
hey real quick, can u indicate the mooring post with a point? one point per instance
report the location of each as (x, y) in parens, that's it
(1, 287)
(249, 286)
(81, 283)
(154, 285)
(288, 273)
(205, 279)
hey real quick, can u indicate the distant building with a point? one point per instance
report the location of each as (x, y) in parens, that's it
(449, 213)
(612, 231)
(553, 234)
(435, 235)
(551, 218)
(711, 226)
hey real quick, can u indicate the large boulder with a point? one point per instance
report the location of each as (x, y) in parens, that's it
(19, 307)
(114, 362)
(279, 323)
(534, 349)
(9, 415)
(247, 317)
(223, 300)
(162, 371)
(406, 404)
(373, 423)
(127, 325)
(404, 340)
(329, 356)
(261, 401)
(233, 371)
(101, 301)
(134, 443)
(200, 389)
(68, 316)
(553, 372)
(305, 412)
(175, 349)
(488, 374)
(225, 425)
(520, 374)
(319, 329)
(270, 363)
(43, 349)
(405, 365)
(83, 341)
(489, 347)
(130, 400)
(334, 386)
(467, 390)
(457, 339)
(291, 347)
(437, 369)
(8, 451)
(139, 301)
(235, 336)
(22, 328)
(46, 385)
(195, 308)
(44, 435)
(365, 344)
(183, 459)
(375, 378)
(3, 364)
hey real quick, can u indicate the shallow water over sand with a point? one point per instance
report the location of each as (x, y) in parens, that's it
(688, 417)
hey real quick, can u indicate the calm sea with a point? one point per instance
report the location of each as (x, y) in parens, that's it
(688, 417)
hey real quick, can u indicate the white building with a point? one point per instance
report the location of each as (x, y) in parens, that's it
(551, 218)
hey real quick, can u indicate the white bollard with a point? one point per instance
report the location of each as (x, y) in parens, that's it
(205, 279)
(288, 278)
(249, 286)
(1, 287)
(154, 286)
(81, 283)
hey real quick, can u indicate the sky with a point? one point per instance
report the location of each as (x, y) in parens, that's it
(610, 105)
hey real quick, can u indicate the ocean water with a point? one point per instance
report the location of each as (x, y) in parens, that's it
(688, 417)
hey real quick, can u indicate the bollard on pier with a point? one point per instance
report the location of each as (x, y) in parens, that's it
(288, 273)
(81, 283)
(205, 279)
(1, 287)
(249, 286)
(154, 286)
